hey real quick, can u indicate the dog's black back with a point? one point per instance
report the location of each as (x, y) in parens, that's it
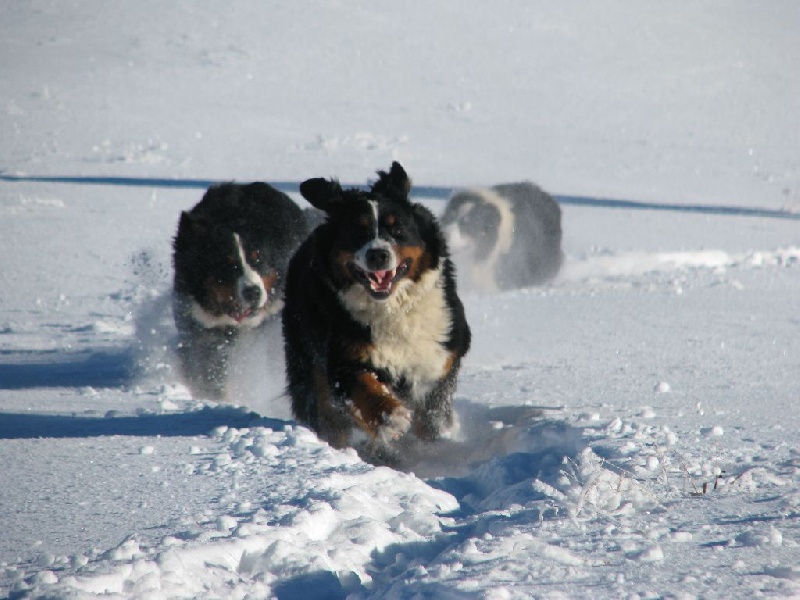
(512, 233)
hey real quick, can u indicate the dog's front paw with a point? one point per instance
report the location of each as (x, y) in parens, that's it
(395, 424)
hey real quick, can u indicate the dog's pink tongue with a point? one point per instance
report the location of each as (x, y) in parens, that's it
(242, 315)
(382, 279)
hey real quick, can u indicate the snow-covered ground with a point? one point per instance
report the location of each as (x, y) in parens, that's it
(630, 430)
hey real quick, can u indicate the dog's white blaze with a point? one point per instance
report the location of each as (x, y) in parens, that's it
(408, 329)
(483, 271)
(375, 243)
(249, 277)
(375, 214)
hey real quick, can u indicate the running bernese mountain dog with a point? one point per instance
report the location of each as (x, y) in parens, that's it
(230, 257)
(504, 237)
(374, 330)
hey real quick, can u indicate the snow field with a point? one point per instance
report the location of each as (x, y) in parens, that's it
(550, 479)
(629, 431)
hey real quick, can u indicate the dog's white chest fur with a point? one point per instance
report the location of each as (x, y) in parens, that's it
(408, 330)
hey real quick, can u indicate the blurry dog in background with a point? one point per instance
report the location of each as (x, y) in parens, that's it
(374, 330)
(504, 237)
(230, 257)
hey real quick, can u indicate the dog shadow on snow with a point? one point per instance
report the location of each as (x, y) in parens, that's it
(198, 422)
(98, 368)
(146, 361)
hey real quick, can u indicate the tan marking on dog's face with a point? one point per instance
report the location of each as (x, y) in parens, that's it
(255, 257)
(222, 297)
(340, 273)
(269, 280)
(417, 258)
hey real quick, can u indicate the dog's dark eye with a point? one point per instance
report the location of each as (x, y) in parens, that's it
(256, 257)
(231, 259)
(393, 227)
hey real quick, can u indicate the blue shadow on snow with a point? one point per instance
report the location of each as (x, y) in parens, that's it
(186, 424)
(96, 368)
(322, 585)
(440, 192)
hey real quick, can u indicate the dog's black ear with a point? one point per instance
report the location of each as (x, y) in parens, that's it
(394, 184)
(192, 224)
(191, 229)
(430, 231)
(321, 193)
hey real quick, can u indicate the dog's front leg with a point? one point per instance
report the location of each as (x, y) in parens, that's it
(375, 408)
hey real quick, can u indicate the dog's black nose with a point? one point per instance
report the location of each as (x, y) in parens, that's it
(251, 294)
(377, 259)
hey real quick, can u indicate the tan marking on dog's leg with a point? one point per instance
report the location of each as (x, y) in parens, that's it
(449, 364)
(358, 352)
(376, 409)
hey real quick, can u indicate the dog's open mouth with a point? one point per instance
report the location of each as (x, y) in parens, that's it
(240, 315)
(380, 284)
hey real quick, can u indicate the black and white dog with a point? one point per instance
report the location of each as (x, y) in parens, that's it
(230, 257)
(374, 330)
(504, 237)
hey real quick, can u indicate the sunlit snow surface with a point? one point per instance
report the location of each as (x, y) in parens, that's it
(629, 430)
